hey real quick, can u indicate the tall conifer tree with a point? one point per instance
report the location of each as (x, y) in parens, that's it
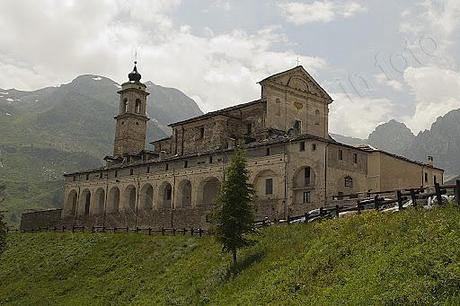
(233, 216)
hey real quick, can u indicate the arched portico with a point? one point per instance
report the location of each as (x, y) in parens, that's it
(165, 195)
(130, 196)
(184, 194)
(99, 201)
(146, 197)
(71, 203)
(113, 201)
(209, 189)
(85, 202)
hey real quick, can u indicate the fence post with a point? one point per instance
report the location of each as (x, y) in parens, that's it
(63, 228)
(185, 230)
(150, 231)
(307, 215)
(359, 207)
(200, 231)
(376, 202)
(321, 212)
(438, 193)
(414, 197)
(127, 229)
(337, 211)
(400, 200)
(174, 231)
(457, 191)
(163, 230)
(191, 231)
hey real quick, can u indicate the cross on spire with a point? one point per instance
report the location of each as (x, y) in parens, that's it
(298, 61)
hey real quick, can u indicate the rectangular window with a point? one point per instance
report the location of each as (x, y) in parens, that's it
(340, 155)
(313, 147)
(355, 158)
(131, 171)
(307, 176)
(426, 177)
(116, 173)
(269, 186)
(186, 164)
(302, 146)
(435, 180)
(340, 196)
(168, 194)
(74, 178)
(306, 197)
(210, 159)
(100, 175)
(267, 152)
(87, 177)
(166, 166)
(201, 132)
(148, 169)
(298, 126)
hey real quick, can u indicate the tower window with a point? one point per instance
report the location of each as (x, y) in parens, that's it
(355, 158)
(138, 106)
(186, 164)
(435, 180)
(302, 146)
(313, 147)
(125, 105)
(426, 177)
(87, 177)
(201, 132)
(269, 186)
(340, 155)
(210, 159)
(267, 152)
(100, 175)
(148, 169)
(116, 173)
(167, 167)
(131, 171)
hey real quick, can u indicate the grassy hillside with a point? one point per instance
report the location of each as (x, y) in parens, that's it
(406, 258)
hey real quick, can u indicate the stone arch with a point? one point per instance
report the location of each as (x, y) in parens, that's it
(99, 201)
(113, 201)
(72, 203)
(165, 195)
(85, 202)
(184, 194)
(265, 183)
(130, 196)
(146, 197)
(210, 188)
(304, 177)
(298, 83)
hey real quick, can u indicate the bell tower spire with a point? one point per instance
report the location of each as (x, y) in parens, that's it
(131, 127)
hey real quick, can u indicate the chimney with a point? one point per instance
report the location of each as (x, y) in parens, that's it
(430, 160)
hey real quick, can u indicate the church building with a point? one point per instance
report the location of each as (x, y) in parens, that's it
(295, 165)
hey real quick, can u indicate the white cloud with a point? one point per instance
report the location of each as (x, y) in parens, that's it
(319, 11)
(436, 90)
(53, 41)
(382, 79)
(356, 116)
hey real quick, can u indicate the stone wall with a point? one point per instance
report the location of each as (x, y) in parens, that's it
(40, 219)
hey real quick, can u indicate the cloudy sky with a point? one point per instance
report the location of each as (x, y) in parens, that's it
(378, 59)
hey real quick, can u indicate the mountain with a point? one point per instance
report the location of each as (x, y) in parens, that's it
(442, 141)
(47, 132)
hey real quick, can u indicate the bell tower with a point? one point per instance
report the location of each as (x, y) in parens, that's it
(132, 118)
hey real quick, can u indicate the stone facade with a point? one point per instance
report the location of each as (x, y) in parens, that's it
(294, 164)
(36, 220)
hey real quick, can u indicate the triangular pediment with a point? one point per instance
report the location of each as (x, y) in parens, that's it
(299, 79)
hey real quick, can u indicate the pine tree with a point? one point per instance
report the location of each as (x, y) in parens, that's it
(233, 215)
